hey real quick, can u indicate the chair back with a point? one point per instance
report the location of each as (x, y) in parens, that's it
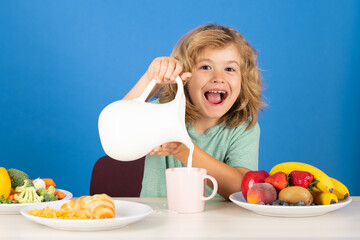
(117, 178)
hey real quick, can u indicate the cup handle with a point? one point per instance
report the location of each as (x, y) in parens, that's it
(213, 180)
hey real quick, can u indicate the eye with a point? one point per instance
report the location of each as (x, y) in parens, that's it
(229, 69)
(205, 67)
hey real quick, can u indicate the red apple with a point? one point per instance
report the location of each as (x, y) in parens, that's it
(251, 178)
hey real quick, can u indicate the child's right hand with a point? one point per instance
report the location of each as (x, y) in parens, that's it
(166, 69)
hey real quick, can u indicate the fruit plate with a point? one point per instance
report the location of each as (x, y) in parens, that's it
(287, 211)
(16, 207)
(126, 212)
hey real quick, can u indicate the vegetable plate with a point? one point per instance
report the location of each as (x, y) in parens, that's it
(15, 208)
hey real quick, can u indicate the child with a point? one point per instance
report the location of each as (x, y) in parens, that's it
(222, 86)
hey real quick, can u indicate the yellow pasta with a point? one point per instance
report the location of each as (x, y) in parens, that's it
(59, 214)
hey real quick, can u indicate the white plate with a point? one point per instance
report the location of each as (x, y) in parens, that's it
(16, 207)
(125, 213)
(287, 211)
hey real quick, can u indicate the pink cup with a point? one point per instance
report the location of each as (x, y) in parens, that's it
(186, 189)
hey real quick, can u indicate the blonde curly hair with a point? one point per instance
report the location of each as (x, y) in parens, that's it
(187, 50)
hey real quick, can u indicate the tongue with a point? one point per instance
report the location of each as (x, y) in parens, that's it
(213, 97)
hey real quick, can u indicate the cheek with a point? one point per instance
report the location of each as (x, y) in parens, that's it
(236, 87)
(194, 89)
(194, 96)
(190, 92)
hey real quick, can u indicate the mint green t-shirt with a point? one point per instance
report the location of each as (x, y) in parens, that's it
(236, 147)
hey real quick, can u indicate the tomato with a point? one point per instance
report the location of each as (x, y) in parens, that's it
(5, 183)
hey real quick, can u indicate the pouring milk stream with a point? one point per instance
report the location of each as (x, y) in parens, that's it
(130, 129)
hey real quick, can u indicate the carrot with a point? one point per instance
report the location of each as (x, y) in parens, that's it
(11, 197)
(60, 194)
(49, 182)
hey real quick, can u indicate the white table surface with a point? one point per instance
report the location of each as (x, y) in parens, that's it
(220, 220)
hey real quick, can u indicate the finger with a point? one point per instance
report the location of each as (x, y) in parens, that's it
(168, 150)
(186, 75)
(155, 69)
(161, 149)
(157, 149)
(154, 151)
(163, 68)
(163, 153)
(178, 69)
(170, 70)
(169, 145)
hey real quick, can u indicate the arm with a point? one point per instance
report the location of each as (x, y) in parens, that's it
(228, 178)
(241, 155)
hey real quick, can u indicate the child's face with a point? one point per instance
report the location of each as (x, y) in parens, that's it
(216, 81)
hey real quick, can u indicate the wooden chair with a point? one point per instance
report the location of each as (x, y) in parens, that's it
(117, 178)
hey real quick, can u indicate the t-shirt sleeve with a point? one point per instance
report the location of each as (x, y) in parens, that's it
(243, 150)
(155, 100)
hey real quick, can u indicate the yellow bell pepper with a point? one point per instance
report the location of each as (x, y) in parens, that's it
(5, 183)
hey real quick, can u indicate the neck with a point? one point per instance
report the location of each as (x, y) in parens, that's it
(202, 125)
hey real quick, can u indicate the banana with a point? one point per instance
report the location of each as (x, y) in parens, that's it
(340, 190)
(323, 198)
(325, 184)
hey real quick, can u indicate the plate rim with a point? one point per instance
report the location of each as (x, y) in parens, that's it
(52, 221)
(259, 209)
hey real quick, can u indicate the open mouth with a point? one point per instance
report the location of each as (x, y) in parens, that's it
(216, 96)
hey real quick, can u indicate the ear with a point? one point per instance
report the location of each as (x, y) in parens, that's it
(185, 75)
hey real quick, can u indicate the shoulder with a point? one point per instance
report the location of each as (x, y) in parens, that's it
(239, 133)
(243, 134)
(243, 148)
(244, 130)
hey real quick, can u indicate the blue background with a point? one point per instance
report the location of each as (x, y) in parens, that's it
(62, 62)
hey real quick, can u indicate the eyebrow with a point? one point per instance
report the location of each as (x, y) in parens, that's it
(228, 62)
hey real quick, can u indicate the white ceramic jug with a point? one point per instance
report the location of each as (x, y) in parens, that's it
(130, 129)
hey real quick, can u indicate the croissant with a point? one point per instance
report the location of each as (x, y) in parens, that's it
(98, 206)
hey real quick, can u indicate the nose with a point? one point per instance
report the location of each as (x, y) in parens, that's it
(218, 77)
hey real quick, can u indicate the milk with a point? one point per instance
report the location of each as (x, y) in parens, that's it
(190, 158)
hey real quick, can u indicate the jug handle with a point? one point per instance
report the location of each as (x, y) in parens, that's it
(146, 92)
(180, 89)
(152, 84)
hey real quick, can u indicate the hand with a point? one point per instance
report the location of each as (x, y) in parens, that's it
(171, 148)
(166, 69)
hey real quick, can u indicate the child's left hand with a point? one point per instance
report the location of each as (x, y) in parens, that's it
(171, 148)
